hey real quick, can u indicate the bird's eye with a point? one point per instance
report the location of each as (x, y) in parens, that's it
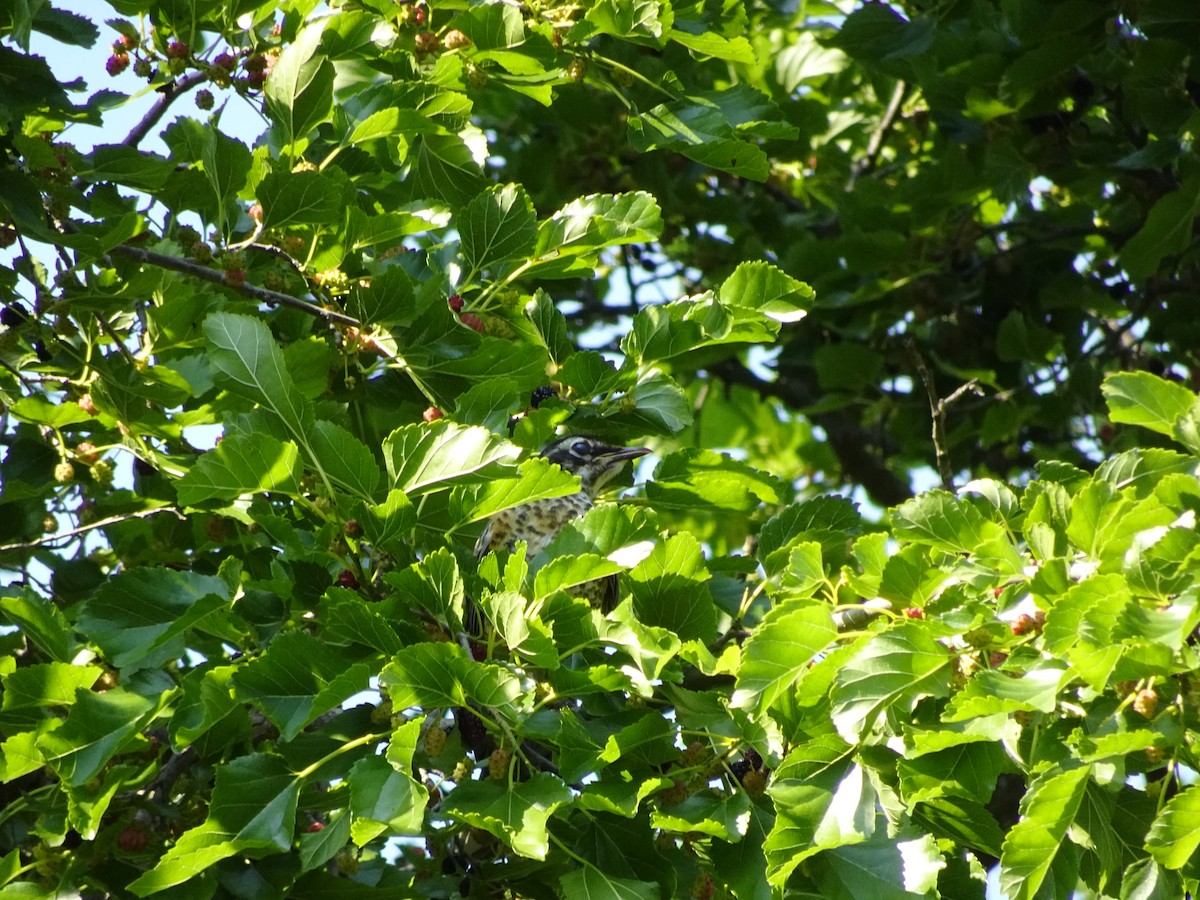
(580, 448)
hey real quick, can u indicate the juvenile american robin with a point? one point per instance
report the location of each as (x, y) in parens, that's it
(536, 523)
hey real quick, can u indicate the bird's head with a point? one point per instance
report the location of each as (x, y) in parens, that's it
(594, 461)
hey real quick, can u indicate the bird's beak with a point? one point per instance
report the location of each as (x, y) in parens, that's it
(620, 454)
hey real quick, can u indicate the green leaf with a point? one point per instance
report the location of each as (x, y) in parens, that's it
(42, 623)
(253, 809)
(347, 618)
(893, 669)
(589, 224)
(942, 520)
(1167, 231)
(420, 457)
(551, 327)
(344, 459)
(139, 617)
(884, 868)
(537, 479)
(719, 815)
(515, 813)
(1047, 811)
(98, 727)
(1175, 834)
(384, 801)
(1141, 398)
(299, 198)
(388, 521)
(594, 884)
(242, 464)
(297, 680)
(779, 650)
(497, 226)
(704, 479)
(1147, 880)
(441, 675)
(968, 770)
(990, 692)
(248, 359)
(45, 684)
(660, 406)
(299, 93)
(130, 166)
(764, 288)
(669, 589)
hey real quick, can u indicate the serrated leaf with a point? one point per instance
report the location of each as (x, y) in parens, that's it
(301, 198)
(764, 288)
(299, 93)
(253, 809)
(941, 520)
(96, 729)
(419, 457)
(670, 590)
(515, 813)
(699, 479)
(1145, 399)
(1047, 811)
(344, 458)
(498, 225)
(551, 326)
(138, 616)
(594, 884)
(779, 650)
(893, 669)
(383, 800)
(537, 479)
(1175, 834)
(433, 675)
(589, 224)
(248, 359)
(242, 464)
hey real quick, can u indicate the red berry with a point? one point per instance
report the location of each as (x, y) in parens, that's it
(315, 827)
(427, 41)
(473, 321)
(255, 212)
(8, 236)
(456, 303)
(178, 50)
(1023, 624)
(352, 528)
(419, 15)
(235, 277)
(256, 63)
(117, 63)
(348, 579)
(125, 42)
(87, 404)
(226, 61)
(997, 658)
(132, 839)
(478, 651)
(914, 612)
(256, 79)
(432, 414)
(86, 452)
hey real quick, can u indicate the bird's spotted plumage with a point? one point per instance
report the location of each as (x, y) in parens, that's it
(537, 523)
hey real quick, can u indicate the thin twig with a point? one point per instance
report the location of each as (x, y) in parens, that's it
(937, 409)
(91, 526)
(149, 257)
(879, 135)
(167, 94)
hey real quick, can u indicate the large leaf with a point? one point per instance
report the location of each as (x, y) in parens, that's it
(779, 650)
(420, 457)
(242, 464)
(515, 813)
(497, 226)
(1047, 811)
(299, 92)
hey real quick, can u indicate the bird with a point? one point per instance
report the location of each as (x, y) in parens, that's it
(537, 523)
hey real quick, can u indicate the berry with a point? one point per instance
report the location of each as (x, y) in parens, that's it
(348, 579)
(543, 393)
(996, 658)
(256, 63)
(498, 764)
(315, 827)
(473, 321)
(456, 303)
(275, 281)
(177, 66)
(255, 212)
(455, 39)
(695, 754)
(577, 70)
(435, 740)
(914, 612)
(204, 99)
(64, 472)
(86, 453)
(1023, 624)
(178, 50)
(753, 758)
(8, 236)
(226, 61)
(255, 80)
(427, 41)
(117, 63)
(473, 732)
(478, 651)
(187, 236)
(677, 793)
(102, 473)
(125, 43)
(476, 77)
(1145, 703)
(1155, 755)
(352, 528)
(755, 783)
(132, 839)
(235, 277)
(419, 15)
(87, 404)
(432, 414)
(142, 68)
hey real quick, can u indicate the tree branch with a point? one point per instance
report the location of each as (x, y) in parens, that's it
(879, 135)
(186, 267)
(91, 526)
(168, 92)
(937, 409)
